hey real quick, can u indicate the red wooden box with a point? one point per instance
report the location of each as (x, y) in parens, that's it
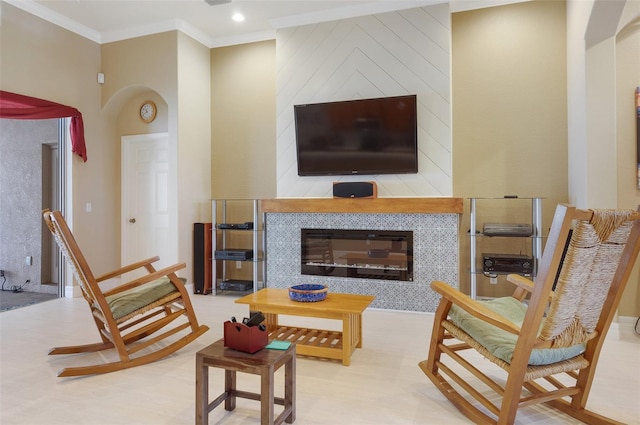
(248, 339)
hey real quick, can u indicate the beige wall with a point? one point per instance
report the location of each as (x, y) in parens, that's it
(509, 111)
(628, 195)
(130, 78)
(194, 143)
(175, 74)
(509, 114)
(136, 63)
(42, 60)
(243, 121)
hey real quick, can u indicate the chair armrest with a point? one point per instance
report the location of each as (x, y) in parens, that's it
(148, 278)
(474, 308)
(126, 269)
(524, 286)
(521, 282)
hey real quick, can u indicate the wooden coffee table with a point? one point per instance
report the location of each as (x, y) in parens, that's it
(313, 342)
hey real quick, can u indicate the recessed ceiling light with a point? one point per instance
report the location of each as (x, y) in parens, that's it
(238, 17)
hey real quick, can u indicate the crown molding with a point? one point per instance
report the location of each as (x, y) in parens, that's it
(157, 28)
(36, 9)
(253, 37)
(369, 8)
(349, 12)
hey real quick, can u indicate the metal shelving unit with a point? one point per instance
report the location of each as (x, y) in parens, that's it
(476, 234)
(233, 212)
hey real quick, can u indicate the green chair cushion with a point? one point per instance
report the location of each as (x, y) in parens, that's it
(133, 299)
(501, 343)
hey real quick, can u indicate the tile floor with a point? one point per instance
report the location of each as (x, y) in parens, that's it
(383, 385)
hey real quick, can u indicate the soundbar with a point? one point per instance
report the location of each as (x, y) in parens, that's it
(355, 190)
(234, 254)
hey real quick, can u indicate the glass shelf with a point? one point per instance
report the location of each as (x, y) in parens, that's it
(238, 224)
(533, 247)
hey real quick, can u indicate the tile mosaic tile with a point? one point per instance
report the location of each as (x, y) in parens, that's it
(435, 255)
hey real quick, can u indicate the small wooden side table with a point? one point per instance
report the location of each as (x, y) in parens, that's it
(264, 363)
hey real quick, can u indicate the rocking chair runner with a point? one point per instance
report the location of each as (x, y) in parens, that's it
(132, 317)
(580, 280)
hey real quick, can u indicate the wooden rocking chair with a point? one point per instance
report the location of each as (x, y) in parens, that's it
(550, 347)
(132, 317)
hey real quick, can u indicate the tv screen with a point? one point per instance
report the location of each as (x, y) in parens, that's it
(367, 136)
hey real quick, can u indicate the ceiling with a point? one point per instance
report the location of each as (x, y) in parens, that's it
(105, 21)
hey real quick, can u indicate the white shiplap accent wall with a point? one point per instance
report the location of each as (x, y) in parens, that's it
(389, 54)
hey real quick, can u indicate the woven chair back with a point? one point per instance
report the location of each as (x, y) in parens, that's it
(590, 264)
(72, 254)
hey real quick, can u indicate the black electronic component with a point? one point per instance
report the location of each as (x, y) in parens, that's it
(247, 225)
(234, 254)
(507, 263)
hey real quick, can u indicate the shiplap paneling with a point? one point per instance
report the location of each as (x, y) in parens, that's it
(389, 54)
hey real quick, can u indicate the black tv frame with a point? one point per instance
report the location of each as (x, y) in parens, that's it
(357, 137)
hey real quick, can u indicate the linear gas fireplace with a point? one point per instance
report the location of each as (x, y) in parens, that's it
(365, 254)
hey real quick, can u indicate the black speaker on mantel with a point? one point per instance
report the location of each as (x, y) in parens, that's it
(355, 190)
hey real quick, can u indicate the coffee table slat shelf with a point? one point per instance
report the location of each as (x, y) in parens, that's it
(347, 308)
(304, 336)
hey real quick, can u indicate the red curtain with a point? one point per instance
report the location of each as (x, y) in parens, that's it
(19, 107)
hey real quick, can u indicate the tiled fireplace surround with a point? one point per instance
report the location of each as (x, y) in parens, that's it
(433, 221)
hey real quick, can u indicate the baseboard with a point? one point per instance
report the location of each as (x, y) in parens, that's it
(627, 323)
(72, 291)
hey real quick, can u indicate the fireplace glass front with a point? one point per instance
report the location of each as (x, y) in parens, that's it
(364, 254)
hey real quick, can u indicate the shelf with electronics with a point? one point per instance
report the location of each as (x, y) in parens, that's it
(238, 244)
(505, 237)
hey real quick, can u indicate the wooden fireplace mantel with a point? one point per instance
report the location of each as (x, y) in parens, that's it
(364, 205)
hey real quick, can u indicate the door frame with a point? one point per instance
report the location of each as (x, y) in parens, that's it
(66, 287)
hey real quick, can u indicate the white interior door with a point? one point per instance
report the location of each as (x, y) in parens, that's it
(145, 200)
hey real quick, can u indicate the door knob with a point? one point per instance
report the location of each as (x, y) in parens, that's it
(132, 220)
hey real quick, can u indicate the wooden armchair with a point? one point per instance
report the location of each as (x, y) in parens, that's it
(136, 317)
(549, 347)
